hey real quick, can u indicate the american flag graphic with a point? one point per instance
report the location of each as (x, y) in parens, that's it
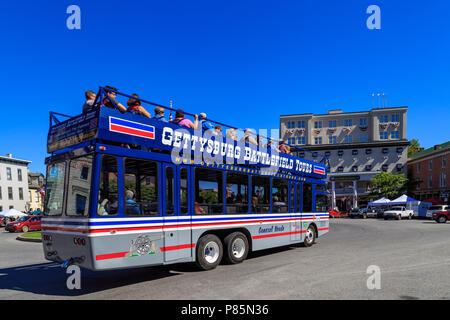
(319, 170)
(131, 128)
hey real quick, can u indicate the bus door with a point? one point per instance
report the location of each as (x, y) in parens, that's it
(296, 224)
(177, 226)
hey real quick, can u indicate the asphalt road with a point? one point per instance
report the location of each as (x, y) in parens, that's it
(413, 258)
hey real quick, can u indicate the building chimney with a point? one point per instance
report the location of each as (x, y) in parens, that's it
(9, 155)
(436, 147)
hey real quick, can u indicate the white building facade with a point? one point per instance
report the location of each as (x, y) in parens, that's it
(359, 145)
(14, 192)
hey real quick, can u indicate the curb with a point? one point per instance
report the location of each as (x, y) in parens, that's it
(28, 239)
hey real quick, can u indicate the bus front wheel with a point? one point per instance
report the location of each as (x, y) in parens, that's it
(209, 252)
(236, 245)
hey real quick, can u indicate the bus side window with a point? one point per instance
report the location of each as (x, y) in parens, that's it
(108, 196)
(260, 194)
(184, 191)
(299, 197)
(208, 191)
(170, 191)
(293, 209)
(236, 193)
(307, 197)
(279, 196)
(141, 188)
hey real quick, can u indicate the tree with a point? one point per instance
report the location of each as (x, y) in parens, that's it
(414, 146)
(388, 185)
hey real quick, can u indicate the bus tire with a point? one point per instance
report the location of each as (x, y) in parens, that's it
(236, 245)
(209, 252)
(310, 237)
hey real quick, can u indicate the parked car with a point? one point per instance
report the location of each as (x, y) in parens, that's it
(25, 224)
(334, 213)
(436, 208)
(377, 212)
(441, 216)
(398, 213)
(2, 221)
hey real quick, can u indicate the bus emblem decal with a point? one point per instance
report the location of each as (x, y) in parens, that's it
(131, 128)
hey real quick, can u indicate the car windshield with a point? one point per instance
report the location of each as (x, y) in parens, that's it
(435, 207)
(22, 219)
(396, 208)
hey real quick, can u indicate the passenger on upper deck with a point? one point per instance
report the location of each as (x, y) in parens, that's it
(248, 138)
(282, 147)
(90, 98)
(134, 106)
(206, 125)
(231, 134)
(112, 96)
(182, 121)
(159, 114)
(217, 131)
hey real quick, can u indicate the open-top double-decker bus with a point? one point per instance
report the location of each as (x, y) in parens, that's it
(126, 191)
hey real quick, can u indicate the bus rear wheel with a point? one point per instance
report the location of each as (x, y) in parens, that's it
(236, 245)
(209, 252)
(310, 237)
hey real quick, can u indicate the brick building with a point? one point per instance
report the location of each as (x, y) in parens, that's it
(430, 169)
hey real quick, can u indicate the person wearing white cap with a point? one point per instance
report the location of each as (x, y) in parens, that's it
(206, 125)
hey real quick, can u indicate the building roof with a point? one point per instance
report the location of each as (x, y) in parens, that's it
(10, 159)
(430, 150)
(339, 112)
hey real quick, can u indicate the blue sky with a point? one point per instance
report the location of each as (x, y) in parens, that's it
(242, 62)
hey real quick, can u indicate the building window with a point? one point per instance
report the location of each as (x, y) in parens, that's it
(318, 140)
(444, 162)
(399, 167)
(443, 180)
(301, 124)
(8, 174)
(301, 140)
(418, 167)
(355, 152)
(0, 194)
(363, 122)
(385, 151)
(21, 194)
(348, 139)
(395, 135)
(340, 169)
(384, 167)
(327, 153)
(332, 123)
(291, 141)
(430, 165)
(368, 151)
(384, 135)
(430, 181)
(363, 138)
(355, 169)
(368, 167)
(348, 122)
(395, 118)
(383, 119)
(10, 193)
(318, 125)
(19, 174)
(332, 139)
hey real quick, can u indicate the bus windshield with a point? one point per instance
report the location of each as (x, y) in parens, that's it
(79, 172)
(55, 189)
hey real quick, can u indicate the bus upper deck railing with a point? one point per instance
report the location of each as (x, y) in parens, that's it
(99, 124)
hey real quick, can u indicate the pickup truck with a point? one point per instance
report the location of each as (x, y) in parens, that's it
(398, 213)
(441, 216)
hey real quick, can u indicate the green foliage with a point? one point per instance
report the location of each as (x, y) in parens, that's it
(414, 145)
(388, 185)
(209, 196)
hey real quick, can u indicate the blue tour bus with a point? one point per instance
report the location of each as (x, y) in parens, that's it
(124, 191)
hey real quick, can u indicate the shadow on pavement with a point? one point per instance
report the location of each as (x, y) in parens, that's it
(50, 279)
